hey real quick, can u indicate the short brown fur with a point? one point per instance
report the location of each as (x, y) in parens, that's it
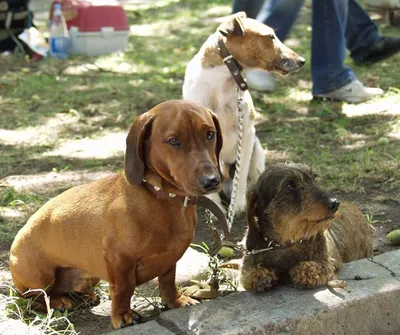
(116, 229)
(311, 236)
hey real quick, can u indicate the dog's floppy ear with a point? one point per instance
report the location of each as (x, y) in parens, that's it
(134, 158)
(253, 233)
(258, 199)
(223, 171)
(234, 26)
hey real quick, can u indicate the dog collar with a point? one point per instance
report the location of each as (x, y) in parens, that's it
(232, 64)
(187, 200)
(272, 245)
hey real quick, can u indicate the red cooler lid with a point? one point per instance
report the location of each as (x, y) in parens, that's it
(92, 15)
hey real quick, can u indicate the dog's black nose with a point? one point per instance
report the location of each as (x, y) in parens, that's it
(210, 183)
(291, 64)
(301, 61)
(333, 204)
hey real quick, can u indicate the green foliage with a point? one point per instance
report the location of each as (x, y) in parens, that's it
(10, 197)
(217, 275)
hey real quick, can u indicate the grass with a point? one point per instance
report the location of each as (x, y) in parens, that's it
(48, 105)
(52, 322)
(9, 197)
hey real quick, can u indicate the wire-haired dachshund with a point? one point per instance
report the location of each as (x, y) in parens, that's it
(298, 230)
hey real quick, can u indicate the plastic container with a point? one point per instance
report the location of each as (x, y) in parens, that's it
(59, 40)
(95, 27)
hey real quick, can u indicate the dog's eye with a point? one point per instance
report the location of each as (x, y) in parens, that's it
(291, 185)
(272, 37)
(210, 135)
(174, 141)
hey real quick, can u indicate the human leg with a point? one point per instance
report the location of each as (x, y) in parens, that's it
(328, 46)
(280, 15)
(250, 7)
(331, 78)
(364, 41)
(361, 32)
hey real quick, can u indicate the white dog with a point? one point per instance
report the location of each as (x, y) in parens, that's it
(209, 82)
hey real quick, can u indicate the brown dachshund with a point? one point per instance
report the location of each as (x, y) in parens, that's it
(131, 227)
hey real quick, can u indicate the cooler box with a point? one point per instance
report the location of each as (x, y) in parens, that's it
(96, 27)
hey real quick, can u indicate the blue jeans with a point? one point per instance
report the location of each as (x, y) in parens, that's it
(251, 7)
(337, 25)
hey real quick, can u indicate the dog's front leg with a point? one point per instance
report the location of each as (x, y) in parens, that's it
(257, 164)
(258, 278)
(245, 157)
(169, 293)
(122, 279)
(312, 274)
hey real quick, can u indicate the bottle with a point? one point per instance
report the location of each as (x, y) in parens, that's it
(59, 40)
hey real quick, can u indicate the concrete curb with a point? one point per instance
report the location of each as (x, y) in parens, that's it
(370, 304)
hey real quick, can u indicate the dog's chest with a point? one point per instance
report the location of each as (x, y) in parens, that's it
(166, 246)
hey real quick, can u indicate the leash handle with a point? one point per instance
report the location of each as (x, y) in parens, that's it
(212, 207)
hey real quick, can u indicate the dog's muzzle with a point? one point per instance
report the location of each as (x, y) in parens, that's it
(290, 64)
(210, 183)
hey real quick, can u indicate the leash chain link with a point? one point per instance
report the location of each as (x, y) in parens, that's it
(217, 238)
(235, 182)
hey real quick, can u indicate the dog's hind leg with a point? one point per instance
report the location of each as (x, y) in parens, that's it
(257, 164)
(31, 277)
(73, 280)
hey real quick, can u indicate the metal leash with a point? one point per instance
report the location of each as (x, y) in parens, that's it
(217, 237)
(235, 182)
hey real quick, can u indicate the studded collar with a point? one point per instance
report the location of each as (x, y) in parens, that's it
(187, 200)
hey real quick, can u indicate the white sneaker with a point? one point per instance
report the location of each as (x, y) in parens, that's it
(353, 92)
(260, 80)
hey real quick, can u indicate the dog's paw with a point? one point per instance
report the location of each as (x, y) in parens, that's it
(310, 274)
(198, 292)
(123, 319)
(61, 303)
(258, 279)
(182, 301)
